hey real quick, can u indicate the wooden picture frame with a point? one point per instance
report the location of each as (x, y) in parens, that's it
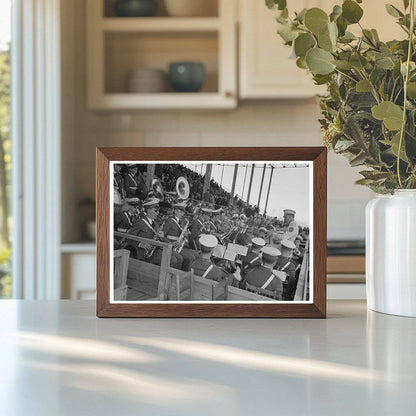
(315, 308)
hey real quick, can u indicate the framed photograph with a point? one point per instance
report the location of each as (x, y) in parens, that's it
(211, 232)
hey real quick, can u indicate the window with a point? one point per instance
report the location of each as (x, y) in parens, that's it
(5, 144)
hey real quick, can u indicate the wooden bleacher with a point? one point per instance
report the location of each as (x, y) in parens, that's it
(149, 282)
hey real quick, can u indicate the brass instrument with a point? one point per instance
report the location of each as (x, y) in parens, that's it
(182, 188)
(149, 252)
(182, 238)
(158, 189)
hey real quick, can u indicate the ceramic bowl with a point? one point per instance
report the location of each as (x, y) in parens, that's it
(186, 76)
(135, 8)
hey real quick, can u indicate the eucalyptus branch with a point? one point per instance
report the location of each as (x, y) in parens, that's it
(345, 75)
(406, 79)
(373, 89)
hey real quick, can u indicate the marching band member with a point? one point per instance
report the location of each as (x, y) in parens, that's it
(172, 231)
(123, 220)
(202, 265)
(263, 276)
(118, 187)
(290, 226)
(285, 264)
(262, 233)
(200, 226)
(253, 257)
(130, 181)
(144, 227)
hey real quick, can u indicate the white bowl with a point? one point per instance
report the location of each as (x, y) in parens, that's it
(191, 8)
(146, 80)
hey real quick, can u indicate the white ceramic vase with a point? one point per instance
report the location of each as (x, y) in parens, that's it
(391, 253)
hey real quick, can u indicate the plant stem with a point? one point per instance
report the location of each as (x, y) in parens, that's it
(373, 90)
(345, 75)
(406, 79)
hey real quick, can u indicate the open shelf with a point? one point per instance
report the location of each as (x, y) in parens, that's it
(116, 46)
(211, 9)
(160, 24)
(130, 101)
(127, 51)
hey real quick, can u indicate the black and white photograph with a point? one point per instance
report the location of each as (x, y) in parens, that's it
(211, 232)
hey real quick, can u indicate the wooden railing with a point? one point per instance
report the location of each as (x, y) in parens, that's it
(203, 288)
(166, 256)
(303, 281)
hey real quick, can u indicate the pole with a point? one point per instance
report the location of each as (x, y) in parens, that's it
(207, 180)
(222, 174)
(244, 184)
(150, 174)
(234, 180)
(261, 185)
(249, 186)
(268, 190)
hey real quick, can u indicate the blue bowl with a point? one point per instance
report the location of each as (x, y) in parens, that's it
(186, 76)
(136, 8)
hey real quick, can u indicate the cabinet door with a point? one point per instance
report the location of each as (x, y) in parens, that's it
(265, 68)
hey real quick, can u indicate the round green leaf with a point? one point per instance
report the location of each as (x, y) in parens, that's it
(336, 12)
(286, 32)
(411, 90)
(391, 114)
(363, 86)
(316, 20)
(301, 63)
(324, 42)
(303, 43)
(319, 61)
(351, 11)
(385, 63)
(276, 4)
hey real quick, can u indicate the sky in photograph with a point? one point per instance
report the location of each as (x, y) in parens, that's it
(289, 187)
(5, 21)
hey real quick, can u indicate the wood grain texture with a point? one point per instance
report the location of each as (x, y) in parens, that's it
(317, 309)
(346, 264)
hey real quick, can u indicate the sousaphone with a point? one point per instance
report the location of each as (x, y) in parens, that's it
(182, 188)
(157, 189)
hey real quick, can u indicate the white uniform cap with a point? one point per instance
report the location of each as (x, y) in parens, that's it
(258, 242)
(180, 205)
(208, 240)
(289, 211)
(150, 202)
(288, 244)
(270, 253)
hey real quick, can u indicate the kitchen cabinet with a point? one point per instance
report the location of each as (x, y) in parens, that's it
(265, 70)
(118, 45)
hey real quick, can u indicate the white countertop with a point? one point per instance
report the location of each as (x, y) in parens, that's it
(57, 358)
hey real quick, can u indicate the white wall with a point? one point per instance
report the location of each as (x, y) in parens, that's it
(265, 123)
